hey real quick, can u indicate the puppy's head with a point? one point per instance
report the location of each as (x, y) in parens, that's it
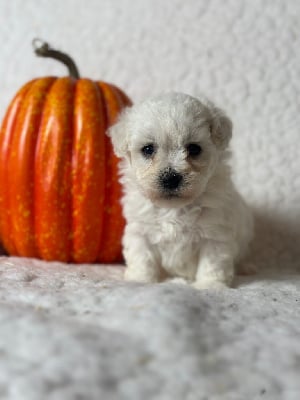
(173, 144)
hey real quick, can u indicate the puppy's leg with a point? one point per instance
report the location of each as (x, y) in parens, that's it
(141, 260)
(216, 265)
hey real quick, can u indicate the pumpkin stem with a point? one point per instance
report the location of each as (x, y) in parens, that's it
(43, 49)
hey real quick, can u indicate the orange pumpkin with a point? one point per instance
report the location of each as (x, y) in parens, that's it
(59, 189)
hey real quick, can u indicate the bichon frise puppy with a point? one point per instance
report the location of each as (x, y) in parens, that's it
(184, 216)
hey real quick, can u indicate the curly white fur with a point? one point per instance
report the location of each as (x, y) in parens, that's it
(198, 230)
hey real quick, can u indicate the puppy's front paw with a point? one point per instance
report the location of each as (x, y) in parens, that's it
(177, 280)
(210, 284)
(141, 274)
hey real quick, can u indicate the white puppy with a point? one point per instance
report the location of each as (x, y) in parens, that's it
(184, 216)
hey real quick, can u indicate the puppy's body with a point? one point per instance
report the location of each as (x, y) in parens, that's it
(184, 216)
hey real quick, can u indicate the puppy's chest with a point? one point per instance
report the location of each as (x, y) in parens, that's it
(177, 240)
(172, 226)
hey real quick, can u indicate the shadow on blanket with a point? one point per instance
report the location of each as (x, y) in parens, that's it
(276, 244)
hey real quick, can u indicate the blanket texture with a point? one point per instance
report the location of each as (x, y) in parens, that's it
(81, 332)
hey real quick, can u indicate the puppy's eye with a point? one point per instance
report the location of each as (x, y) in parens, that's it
(148, 150)
(193, 149)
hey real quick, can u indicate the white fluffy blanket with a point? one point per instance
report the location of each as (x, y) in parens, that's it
(80, 332)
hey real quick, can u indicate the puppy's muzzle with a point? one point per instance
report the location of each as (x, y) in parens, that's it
(170, 179)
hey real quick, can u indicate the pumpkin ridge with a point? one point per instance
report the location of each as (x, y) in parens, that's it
(89, 172)
(110, 250)
(52, 173)
(21, 167)
(107, 168)
(6, 137)
(107, 171)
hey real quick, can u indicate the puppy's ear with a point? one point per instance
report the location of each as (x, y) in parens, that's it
(119, 135)
(220, 128)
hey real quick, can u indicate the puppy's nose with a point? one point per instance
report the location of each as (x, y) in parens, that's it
(170, 179)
